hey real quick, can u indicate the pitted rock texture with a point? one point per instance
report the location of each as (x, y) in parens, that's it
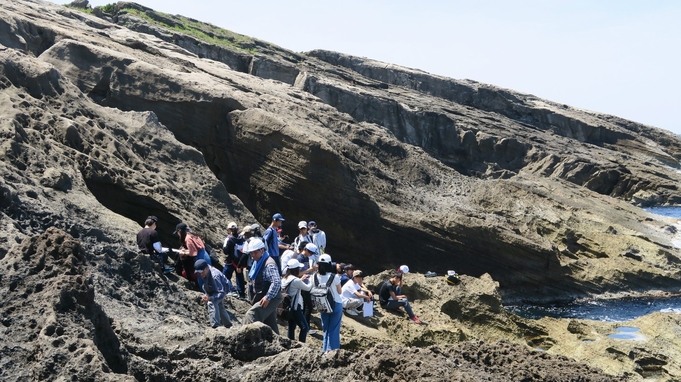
(487, 192)
(106, 118)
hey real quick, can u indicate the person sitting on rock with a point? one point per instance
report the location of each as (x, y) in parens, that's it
(293, 286)
(347, 274)
(391, 297)
(215, 287)
(232, 248)
(318, 236)
(355, 294)
(266, 282)
(149, 242)
(191, 249)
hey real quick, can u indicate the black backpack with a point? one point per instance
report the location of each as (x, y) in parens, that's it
(284, 309)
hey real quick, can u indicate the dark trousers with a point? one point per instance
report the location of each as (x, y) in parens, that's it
(228, 270)
(298, 319)
(186, 264)
(307, 305)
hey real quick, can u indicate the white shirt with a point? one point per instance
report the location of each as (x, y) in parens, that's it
(319, 239)
(294, 288)
(288, 255)
(334, 288)
(349, 290)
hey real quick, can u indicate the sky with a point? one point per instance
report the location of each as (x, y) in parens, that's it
(619, 57)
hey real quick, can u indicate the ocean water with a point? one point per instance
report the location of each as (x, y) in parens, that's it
(674, 211)
(602, 310)
(607, 310)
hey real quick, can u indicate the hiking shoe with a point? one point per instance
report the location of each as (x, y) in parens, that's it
(232, 294)
(352, 312)
(415, 320)
(430, 274)
(167, 269)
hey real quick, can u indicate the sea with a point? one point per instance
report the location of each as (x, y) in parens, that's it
(619, 310)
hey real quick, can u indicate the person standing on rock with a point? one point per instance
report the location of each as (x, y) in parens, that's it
(331, 322)
(191, 249)
(293, 286)
(271, 238)
(308, 258)
(215, 287)
(266, 282)
(149, 242)
(391, 298)
(232, 248)
(303, 236)
(318, 236)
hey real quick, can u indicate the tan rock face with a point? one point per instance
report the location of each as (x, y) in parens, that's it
(105, 120)
(274, 145)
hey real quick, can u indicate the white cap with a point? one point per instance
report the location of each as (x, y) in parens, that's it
(325, 258)
(232, 225)
(293, 264)
(302, 224)
(404, 269)
(312, 248)
(253, 245)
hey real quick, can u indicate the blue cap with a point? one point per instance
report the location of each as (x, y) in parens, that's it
(278, 216)
(311, 223)
(200, 265)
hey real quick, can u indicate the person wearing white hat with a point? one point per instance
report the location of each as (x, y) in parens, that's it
(266, 283)
(303, 236)
(331, 322)
(308, 258)
(293, 285)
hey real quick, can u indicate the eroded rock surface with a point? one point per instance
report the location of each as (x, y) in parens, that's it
(486, 189)
(109, 117)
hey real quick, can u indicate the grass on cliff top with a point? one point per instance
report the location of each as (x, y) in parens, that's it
(202, 31)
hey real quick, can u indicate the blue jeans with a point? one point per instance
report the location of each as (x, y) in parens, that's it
(298, 320)
(394, 304)
(331, 324)
(218, 314)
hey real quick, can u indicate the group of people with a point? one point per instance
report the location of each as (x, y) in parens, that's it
(267, 269)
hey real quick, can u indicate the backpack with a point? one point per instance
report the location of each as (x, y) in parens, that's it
(322, 298)
(284, 308)
(234, 253)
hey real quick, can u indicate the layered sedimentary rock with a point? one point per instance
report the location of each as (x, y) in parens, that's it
(109, 117)
(396, 164)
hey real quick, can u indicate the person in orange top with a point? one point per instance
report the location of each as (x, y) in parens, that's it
(191, 249)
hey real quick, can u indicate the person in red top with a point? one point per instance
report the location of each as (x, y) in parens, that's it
(191, 249)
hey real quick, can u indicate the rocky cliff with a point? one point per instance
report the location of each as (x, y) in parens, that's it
(418, 169)
(112, 114)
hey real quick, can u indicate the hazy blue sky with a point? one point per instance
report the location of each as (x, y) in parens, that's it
(620, 57)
